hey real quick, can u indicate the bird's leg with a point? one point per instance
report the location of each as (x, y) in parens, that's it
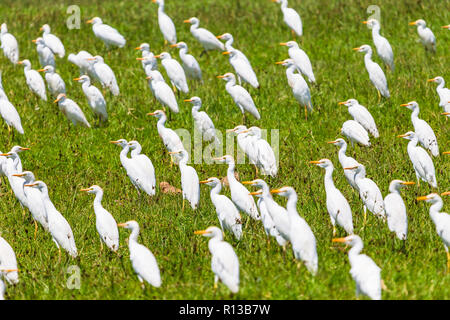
(256, 170)
(165, 42)
(203, 52)
(365, 216)
(379, 96)
(101, 245)
(448, 262)
(174, 88)
(59, 255)
(293, 34)
(35, 229)
(306, 113)
(216, 280)
(171, 161)
(334, 230)
(299, 264)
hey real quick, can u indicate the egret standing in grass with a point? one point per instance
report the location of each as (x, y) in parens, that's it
(364, 271)
(337, 206)
(8, 112)
(58, 226)
(291, 18)
(190, 64)
(224, 261)
(421, 161)
(94, 97)
(166, 24)
(189, 180)
(146, 165)
(147, 56)
(301, 59)
(229, 46)
(142, 259)
(361, 115)
(444, 93)
(105, 223)
(355, 133)
(71, 110)
(45, 54)
(424, 132)
(384, 49)
(110, 36)
(227, 213)
(203, 122)
(9, 44)
(395, 208)
(55, 83)
(426, 35)
(376, 74)
(265, 158)
(52, 41)
(240, 96)
(161, 90)
(440, 219)
(346, 161)
(243, 70)
(105, 75)
(82, 61)
(8, 261)
(174, 71)
(34, 80)
(205, 37)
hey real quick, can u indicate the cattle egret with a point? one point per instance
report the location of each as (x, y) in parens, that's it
(94, 97)
(8, 261)
(355, 133)
(229, 46)
(382, 45)
(300, 58)
(110, 36)
(361, 115)
(265, 158)
(146, 165)
(34, 80)
(395, 208)
(9, 112)
(9, 44)
(174, 71)
(81, 61)
(426, 35)
(190, 64)
(105, 75)
(202, 121)
(45, 54)
(291, 18)
(189, 180)
(52, 41)
(71, 110)
(166, 24)
(161, 90)
(243, 70)
(444, 93)
(346, 161)
(205, 37)
(55, 83)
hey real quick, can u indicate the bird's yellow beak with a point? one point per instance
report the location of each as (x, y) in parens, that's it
(87, 189)
(138, 48)
(174, 152)
(30, 185)
(187, 21)
(332, 141)
(122, 225)
(226, 52)
(148, 78)
(402, 135)
(23, 149)
(404, 104)
(9, 270)
(20, 62)
(446, 193)
(245, 131)
(412, 23)
(279, 62)
(247, 182)
(283, 43)
(18, 174)
(446, 113)
(90, 59)
(76, 79)
(255, 193)
(158, 56)
(342, 102)
(151, 113)
(174, 45)
(203, 181)
(446, 27)
(219, 37)
(339, 240)
(201, 232)
(40, 70)
(315, 162)
(276, 191)
(115, 142)
(219, 158)
(407, 183)
(422, 198)
(356, 49)
(90, 21)
(56, 101)
(220, 77)
(446, 152)
(230, 130)
(140, 59)
(431, 80)
(187, 100)
(34, 40)
(5, 154)
(351, 168)
(365, 22)
(154, 1)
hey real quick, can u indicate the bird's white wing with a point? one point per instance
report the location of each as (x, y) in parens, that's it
(396, 214)
(367, 275)
(292, 19)
(10, 115)
(164, 94)
(225, 264)
(10, 47)
(167, 27)
(244, 99)
(54, 44)
(144, 264)
(364, 118)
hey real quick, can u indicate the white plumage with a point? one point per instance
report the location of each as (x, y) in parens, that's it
(361, 115)
(337, 206)
(8, 112)
(104, 222)
(424, 132)
(376, 74)
(12, 166)
(34, 80)
(202, 121)
(240, 96)
(426, 35)
(346, 161)
(148, 58)
(94, 97)
(444, 93)
(52, 41)
(189, 180)
(265, 158)
(395, 208)
(71, 110)
(174, 71)
(291, 18)
(421, 161)
(105, 75)
(82, 61)
(8, 261)
(382, 45)
(142, 259)
(190, 64)
(106, 33)
(205, 37)
(55, 83)
(227, 213)
(224, 261)
(243, 69)
(364, 271)
(229, 46)
(149, 182)
(45, 54)
(166, 24)
(355, 133)
(9, 44)
(301, 59)
(161, 90)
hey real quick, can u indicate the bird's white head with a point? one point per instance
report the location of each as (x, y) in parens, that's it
(45, 28)
(132, 224)
(349, 103)
(158, 2)
(238, 129)
(212, 182)
(163, 55)
(260, 184)
(323, 163)
(196, 101)
(372, 23)
(410, 135)
(49, 69)
(225, 159)
(419, 23)
(158, 114)
(192, 20)
(37, 184)
(4, 28)
(39, 41)
(179, 45)
(225, 36)
(227, 77)
(121, 142)
(284, 191)
(232, 53)
(350, 240)
(134, 144)
(60, 98)
(339, 142)
(398, 184)
(93, 189)
(433, 197)
(82, 79)
(438, 80)
(95, 20)
(25, 62)
(286, 62)
(211, 232)
(412, 105)
(143, 47)
(364, 48)
(289, 44)
(27, 175)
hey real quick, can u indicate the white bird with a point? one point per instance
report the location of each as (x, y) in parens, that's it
(34, 80)
(161, 90)
(299, 86)
(355, 133)
(14, 165)
(239, 194)
(224, 261)
(71, 110)
(266, 202)
(8, 112)
(446, 27)
(426, 35)
(369, 192)
(240, 96)
(229, 46)
(34, 201)
(55, 83)
(142, 259)
(8, 261)
(364, 271)
(170, 138)
(301, 59)
(202, 122)
(444, 93)
(205, 37)
(361, 115)
(166, 24)
(45, 54)
(149, 183)
(140, 178)
(190, 64)
(94, 97)
(3, 274)
(291, 18)
(337, 206)
(376, 74)
(105, 75)
(58, 226)
(382, 45)
(421, 161)
(346, 161)
(244, 141)
(300, 234)
(265, 158)
(189, 180)
(147, 56)
(52, 41)
(174, 71)
(81, 60)
(105, 224)
(424, 132)
(440, 219)
(110, 36)
(9, 44)
(395, 208)
(243, 70)
(227, 213)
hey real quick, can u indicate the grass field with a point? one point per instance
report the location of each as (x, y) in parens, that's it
(68, 159)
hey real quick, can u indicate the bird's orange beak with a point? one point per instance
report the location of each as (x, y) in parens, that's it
(402, 135)
(5, 154)
(138, 48)
(115, 142)
(187, 21)
(122, 225)
(30, 185)
(90, 59)
(56, 101)
(226, 52)
(158, 56)
(279, 62)
(275, 191)
(315, 162)
(219, 37)
(351, 168)
(34, 40)
(446, 113)
(23, 149)
(422, 198)
(431, 80)
(255, 193)
(412, 23)
(174, 45)
(342, 102)
(247, 182)
(283, 43)
(339, 240)
(446, 152)
(201, 232)
(404, 105)
(20, 62)
(446, 193)
(332, 141)
(356, 49)
(187, 100)
(151, 113)
(148, 78)
(90, 21)
(40, 70)
(203, 181)
(18, 174)
(365, 22)
(76, 79)
(446, 27)
(140, 59)
(408, 183)
(87, 189)
(220, 77)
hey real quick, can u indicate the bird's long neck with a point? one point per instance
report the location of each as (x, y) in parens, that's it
(415, 114)
(329, 183)
(27, 68)
(368, 57)
(290, 72)
(342, 151)
(394, 188)
(124, 152)
(98, 198)
(284, 4)
(161, 7)
(16, 161)
(183, 52)
(215, 190)
(359, 175)
(376, 31)
(161, 122)
(412, 143)
(136, 151)
(230, 172)
(134, 234)
(230, 84)
(229, 44)
(195, 109)
(86, 85)
(291, 205)
(194, 26)
(435, 210)
(440, 85)
(355, 251)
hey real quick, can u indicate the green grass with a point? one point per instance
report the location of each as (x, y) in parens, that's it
(69, 159)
